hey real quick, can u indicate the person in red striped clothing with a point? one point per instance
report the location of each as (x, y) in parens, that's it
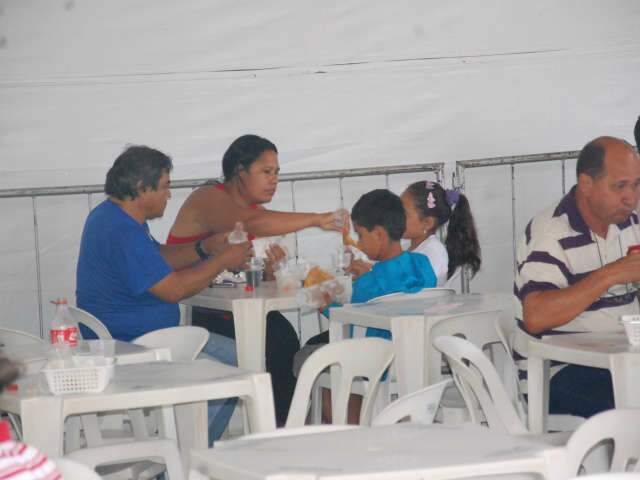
(19, 461)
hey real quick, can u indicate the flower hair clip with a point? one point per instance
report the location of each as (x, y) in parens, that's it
(431, 201)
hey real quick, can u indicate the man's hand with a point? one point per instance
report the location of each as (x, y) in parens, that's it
(235, 257)
(624, 270)
(358, 267)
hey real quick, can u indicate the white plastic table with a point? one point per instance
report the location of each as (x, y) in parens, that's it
(34, 355)
(594, 349)
(141, 385)
(408, 321)
(250, 311)
(401, 451)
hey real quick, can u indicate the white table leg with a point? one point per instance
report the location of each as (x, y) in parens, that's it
(46, 436)
(538, 391)
(337, 332)
(250, 322)
(624, 369)
(259, 405)
(408, 341)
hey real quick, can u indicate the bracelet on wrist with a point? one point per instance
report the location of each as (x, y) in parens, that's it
(200, 251)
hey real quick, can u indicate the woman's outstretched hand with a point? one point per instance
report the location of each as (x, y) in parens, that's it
(333, 221)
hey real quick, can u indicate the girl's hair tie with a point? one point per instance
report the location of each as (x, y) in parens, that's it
(452, 197)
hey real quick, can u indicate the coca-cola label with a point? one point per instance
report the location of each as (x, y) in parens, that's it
(68, 335)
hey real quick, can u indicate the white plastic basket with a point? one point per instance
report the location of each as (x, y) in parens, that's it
(88, 375)
(632, 327)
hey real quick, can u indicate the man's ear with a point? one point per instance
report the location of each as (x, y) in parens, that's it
(140, 188)
(585, 183)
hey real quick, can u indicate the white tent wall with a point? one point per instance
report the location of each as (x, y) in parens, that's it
(349, 84)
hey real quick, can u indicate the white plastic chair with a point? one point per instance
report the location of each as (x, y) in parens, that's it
(82, 317)
(185, 342)
(165, 450)
(424, 293)
(9, 337)
(480, 329)
(619, 427)
(73, 470)
(417, 407)
(480, 384)
(363, 357)
(390, 387)
(16, 338)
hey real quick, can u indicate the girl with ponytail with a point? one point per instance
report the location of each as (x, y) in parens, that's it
(428, 207)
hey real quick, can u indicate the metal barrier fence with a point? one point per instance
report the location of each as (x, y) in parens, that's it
(89, 190)
(459, 181)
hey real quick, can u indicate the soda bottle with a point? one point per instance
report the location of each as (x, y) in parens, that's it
(63, 329)
(238, 235)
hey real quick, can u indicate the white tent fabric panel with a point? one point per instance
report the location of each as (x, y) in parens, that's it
(353, 84)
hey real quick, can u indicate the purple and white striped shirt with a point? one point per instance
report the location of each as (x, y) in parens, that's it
(557, 250)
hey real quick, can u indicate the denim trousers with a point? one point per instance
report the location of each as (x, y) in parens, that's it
(582, 391)
(222, 349)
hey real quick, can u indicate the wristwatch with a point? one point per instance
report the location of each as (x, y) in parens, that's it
(200, 251)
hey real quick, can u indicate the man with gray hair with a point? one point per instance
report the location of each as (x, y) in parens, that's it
(129, 281)
(574, 274)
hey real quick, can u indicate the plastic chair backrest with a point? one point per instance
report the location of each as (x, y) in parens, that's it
(424, 293)
(477, 327)
(619, 426)
(82, 317)
(360, 357)
(455, 282)
(17, 337)
(73, 470)
(480, 384)
(418, 407)
(185, 342)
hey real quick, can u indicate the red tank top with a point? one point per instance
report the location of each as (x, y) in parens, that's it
(174, 240)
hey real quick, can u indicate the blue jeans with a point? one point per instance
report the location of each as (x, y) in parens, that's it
(222, 349)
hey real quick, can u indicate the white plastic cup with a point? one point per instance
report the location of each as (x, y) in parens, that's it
(287, 283)
(631, 325)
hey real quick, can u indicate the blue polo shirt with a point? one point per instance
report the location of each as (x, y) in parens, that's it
(119, 261)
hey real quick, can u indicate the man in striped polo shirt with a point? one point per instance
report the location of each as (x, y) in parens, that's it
(573, 271)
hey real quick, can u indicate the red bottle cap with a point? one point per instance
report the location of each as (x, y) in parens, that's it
(248, 288)
(633, 249)
(12, 387)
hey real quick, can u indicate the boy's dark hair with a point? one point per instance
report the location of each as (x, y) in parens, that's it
(242, 153)
(138, 166)
(380, 208)
(636, 133)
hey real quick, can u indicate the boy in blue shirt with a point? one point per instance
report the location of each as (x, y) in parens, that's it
(379, 220)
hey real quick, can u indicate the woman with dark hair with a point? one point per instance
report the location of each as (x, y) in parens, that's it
(250, 167)
(429, 207)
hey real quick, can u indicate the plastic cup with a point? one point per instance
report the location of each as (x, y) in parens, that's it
(254, 277)
(287, 283)
(631, 325)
